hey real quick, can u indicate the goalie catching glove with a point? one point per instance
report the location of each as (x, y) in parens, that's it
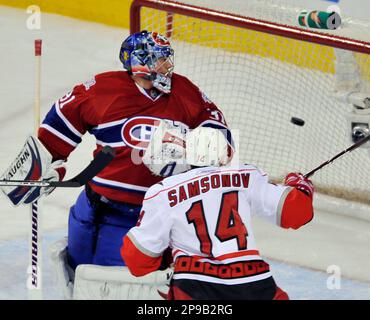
(34, 162)
(171, 152)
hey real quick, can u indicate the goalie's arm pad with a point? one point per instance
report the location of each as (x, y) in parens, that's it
(297, 210)
(68, 120)
(138, 262)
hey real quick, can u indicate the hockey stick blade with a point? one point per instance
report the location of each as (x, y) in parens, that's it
(101, 160)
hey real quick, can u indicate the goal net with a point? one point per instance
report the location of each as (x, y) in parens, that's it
(260, 68)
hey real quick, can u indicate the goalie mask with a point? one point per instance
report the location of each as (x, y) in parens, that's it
(144, 53)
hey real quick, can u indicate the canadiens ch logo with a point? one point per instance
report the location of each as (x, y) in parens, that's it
(137, 131)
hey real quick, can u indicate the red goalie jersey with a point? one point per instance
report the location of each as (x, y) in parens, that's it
(123, 115)
(204, 215)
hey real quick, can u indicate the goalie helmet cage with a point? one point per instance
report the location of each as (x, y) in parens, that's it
(260, 68)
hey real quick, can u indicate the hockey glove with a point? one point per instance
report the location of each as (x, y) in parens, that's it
(34, 162)
(165, 154)
(207, 147)
(299, 181)
(55, 172)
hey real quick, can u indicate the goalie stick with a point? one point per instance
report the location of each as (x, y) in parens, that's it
(34, 280)
(101, 160)
(349, 149)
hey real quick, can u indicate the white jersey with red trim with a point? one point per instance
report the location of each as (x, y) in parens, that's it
(205, 215)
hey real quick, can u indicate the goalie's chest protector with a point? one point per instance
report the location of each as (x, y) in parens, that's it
(127, 121)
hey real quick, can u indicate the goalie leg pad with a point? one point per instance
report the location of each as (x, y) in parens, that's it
(64, 274)
(117, 283)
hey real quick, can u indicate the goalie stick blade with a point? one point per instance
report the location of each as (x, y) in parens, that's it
(101, 160)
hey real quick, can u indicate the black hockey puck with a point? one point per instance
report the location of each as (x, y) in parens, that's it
(297, 121)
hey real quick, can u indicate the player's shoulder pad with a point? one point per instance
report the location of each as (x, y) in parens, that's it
(109, 76)
(254, 169)
(170, 181)
(184, 84)
(183, 79)
(112, 74)
(187, 87)
(108, 82)
(154, 191)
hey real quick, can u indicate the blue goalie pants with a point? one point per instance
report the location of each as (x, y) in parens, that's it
(96, 227)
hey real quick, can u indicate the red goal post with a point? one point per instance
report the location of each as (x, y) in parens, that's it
(260, 73)
(172, 7)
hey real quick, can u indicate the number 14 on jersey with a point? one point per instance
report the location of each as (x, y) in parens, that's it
(229, 227)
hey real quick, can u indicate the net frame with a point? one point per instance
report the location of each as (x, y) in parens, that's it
(171, 8)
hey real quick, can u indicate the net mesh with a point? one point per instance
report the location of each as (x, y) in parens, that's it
(260, 81)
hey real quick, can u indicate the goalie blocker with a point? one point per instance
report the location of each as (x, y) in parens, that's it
(26, 191)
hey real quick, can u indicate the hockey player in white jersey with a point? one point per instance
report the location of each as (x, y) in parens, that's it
(204, 216)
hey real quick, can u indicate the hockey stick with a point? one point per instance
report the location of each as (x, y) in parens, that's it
(101, 160)
(349, 149)
(34, 281)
